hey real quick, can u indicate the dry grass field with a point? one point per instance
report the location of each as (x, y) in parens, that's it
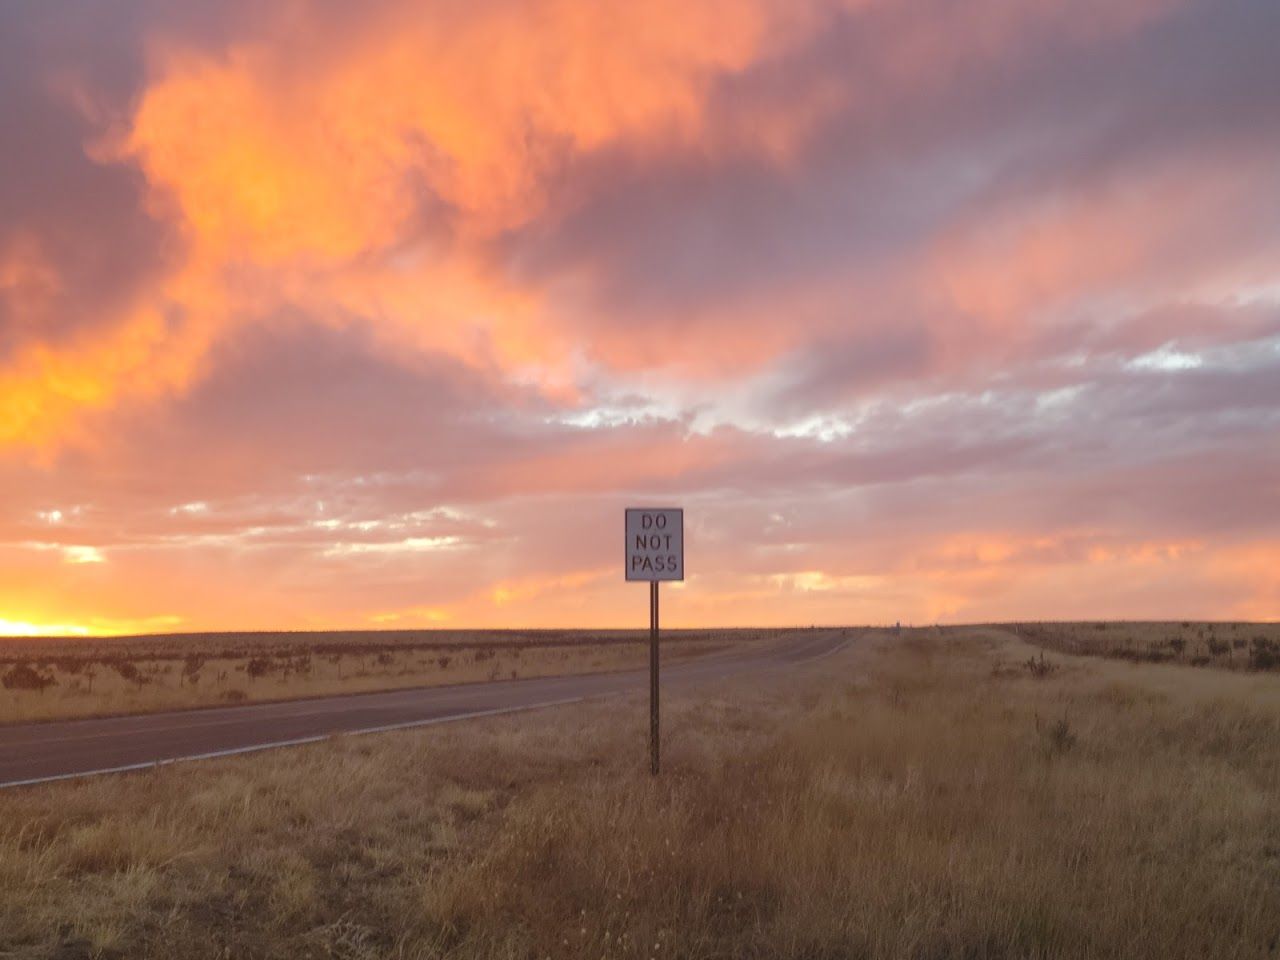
(1237, 646)
(928, 795)
(48, 679)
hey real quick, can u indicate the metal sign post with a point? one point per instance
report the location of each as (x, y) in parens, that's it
(653, 677)
(654, 552)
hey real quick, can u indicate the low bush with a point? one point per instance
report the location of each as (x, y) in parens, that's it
(25, 677)
(129, 671)
(1055, 738)
(1264, 654)
(191, 667)
(1039, 667)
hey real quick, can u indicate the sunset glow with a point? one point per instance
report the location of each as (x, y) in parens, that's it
(318, 315)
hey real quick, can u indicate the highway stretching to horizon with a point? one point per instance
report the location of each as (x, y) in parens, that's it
(40, 752)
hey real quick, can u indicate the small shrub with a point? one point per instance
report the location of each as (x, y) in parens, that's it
(25, 677)
(1055, 738)
(1264, 654)
(1060, 735)
(126, 669)
(129, 671)
(385, 659)
(259, 667)
(1177, 645)
(1040, 667)
(1218, 647)
(444, 662)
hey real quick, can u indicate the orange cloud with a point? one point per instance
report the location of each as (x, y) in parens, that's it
(360, 168)
(300, 174)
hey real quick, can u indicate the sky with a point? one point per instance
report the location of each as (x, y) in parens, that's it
(317, 314)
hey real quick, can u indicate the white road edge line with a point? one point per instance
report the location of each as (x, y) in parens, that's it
(275, 744)
(822, 656)
(497, 711)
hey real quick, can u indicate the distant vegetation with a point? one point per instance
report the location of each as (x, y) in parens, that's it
(1236, 646)
(243, 645)
(45, 679)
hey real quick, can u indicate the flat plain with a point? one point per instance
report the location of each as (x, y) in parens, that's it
(931, 794)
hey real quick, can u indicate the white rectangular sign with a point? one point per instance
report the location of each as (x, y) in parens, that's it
(655, 543)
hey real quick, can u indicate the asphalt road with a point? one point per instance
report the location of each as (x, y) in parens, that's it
(39, 752)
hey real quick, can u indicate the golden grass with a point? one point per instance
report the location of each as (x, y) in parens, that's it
(922, 796)
(80, 685)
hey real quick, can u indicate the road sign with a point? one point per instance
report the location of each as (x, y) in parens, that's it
(655, 551)
(655, 543)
